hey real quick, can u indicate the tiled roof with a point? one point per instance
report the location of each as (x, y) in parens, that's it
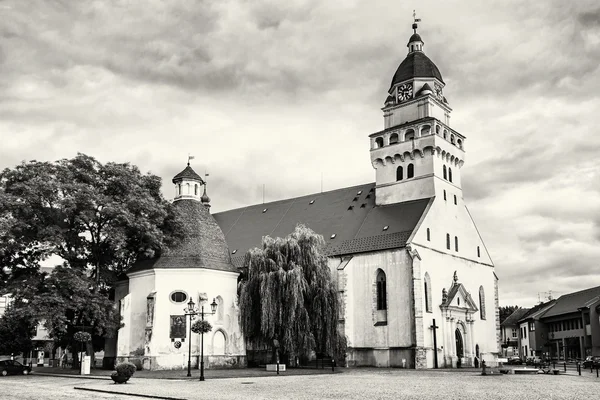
(350, 214)
(203, 246)
(416, 65)
(514, 318)
(537, 311)
(187, 173)
(569, 303)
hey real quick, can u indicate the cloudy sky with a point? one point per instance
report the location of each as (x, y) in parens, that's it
(278, 93)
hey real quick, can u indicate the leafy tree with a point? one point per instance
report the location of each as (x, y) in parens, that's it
(98, 218)
(286, 293)
(16, 331)
(102, 217)
(505, 312)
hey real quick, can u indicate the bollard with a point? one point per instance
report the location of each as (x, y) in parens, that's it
(596, 372)
(332, 365)
(565, 367)
(579, 369)
(483, 372)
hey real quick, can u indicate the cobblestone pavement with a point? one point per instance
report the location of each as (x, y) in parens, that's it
(354, 384)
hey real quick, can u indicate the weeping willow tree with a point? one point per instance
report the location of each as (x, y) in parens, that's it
(286, 293)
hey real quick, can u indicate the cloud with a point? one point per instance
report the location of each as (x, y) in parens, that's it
(265, 92)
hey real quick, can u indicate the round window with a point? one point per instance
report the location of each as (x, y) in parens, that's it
(178, 297)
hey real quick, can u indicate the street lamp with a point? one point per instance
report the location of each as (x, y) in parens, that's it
(191, 311)
(213, 308)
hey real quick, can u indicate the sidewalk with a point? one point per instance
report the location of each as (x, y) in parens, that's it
(182, 374)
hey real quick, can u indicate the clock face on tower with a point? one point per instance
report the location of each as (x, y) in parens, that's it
(438, 91)
(405, 92)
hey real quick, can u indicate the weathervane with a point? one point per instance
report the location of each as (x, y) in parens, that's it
(190, 157)
(415, 21)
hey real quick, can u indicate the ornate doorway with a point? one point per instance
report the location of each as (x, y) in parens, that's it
(459, 347)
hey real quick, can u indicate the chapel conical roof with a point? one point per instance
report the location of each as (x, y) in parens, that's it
(416, 65)
(203, 245)
(187, 173)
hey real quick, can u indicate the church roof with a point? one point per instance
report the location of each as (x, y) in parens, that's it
(349, 213)
(570, 303)
(187, 173)
(416, 65)
(415, 37)
(203, 246)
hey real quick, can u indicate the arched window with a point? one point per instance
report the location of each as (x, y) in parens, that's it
(409, 135)
(452, 139)
(378, 142)
(428, 235)
(393, 138)
(478, 252)
(426, 130)
(188, 188)
(427, 294)
(455, 243)
(481, 302)
(179, 186)
(448, 241)
(219, 343)
(410, 171)
(459, 142)
(445, 173)
(450, 174)
(381, 291)
(399, 173)
(196, 189)
(437, 129)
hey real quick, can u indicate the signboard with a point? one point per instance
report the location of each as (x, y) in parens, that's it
(178, 326)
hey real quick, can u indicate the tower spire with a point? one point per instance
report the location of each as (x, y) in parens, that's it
(415, 26)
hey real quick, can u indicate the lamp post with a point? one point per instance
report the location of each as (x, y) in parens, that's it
(191, 311)
(213, 309)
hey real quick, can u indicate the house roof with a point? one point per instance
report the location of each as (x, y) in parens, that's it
(537, 311)
(349, 213)
(514, 318)
(571, 302)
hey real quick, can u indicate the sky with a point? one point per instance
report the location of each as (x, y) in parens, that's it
(281, 94)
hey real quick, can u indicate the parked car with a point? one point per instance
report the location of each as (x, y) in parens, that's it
(13, 367)
(534, 360)
(591, 362)
(514, 360)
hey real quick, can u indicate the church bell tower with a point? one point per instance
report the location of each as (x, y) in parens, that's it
(417, 155)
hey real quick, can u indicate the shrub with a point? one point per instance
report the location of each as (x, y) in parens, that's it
(126, 369)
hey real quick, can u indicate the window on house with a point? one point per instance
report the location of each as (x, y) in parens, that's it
(455, 243)
(445, 172)
(514, 333)
(399, 173)
(381, 291)
(481, 302)
(428, 235)
(448, 241)
(531, 326)
(410, 171)
(427, 285)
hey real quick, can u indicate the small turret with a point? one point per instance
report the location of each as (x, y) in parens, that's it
(187, 184)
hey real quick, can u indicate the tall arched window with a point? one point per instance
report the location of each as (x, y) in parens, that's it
(428, 235)
(410, 171)
(445, 173)
(381, 291)
(481, 302)
(399, 173)
(448, 241)
(427, 294)
(450, 174)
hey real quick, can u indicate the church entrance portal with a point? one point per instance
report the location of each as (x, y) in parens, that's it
(459, 348)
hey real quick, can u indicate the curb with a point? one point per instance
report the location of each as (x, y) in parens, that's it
(148, 396)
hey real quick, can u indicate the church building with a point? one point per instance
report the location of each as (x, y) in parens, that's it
(417, 284)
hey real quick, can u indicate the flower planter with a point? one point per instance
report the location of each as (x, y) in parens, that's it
(119, 378)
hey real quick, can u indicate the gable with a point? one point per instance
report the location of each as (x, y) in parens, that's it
(349, 213)
(458, 297)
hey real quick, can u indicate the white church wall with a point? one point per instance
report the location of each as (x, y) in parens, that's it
(140, 286)
(369, 344)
